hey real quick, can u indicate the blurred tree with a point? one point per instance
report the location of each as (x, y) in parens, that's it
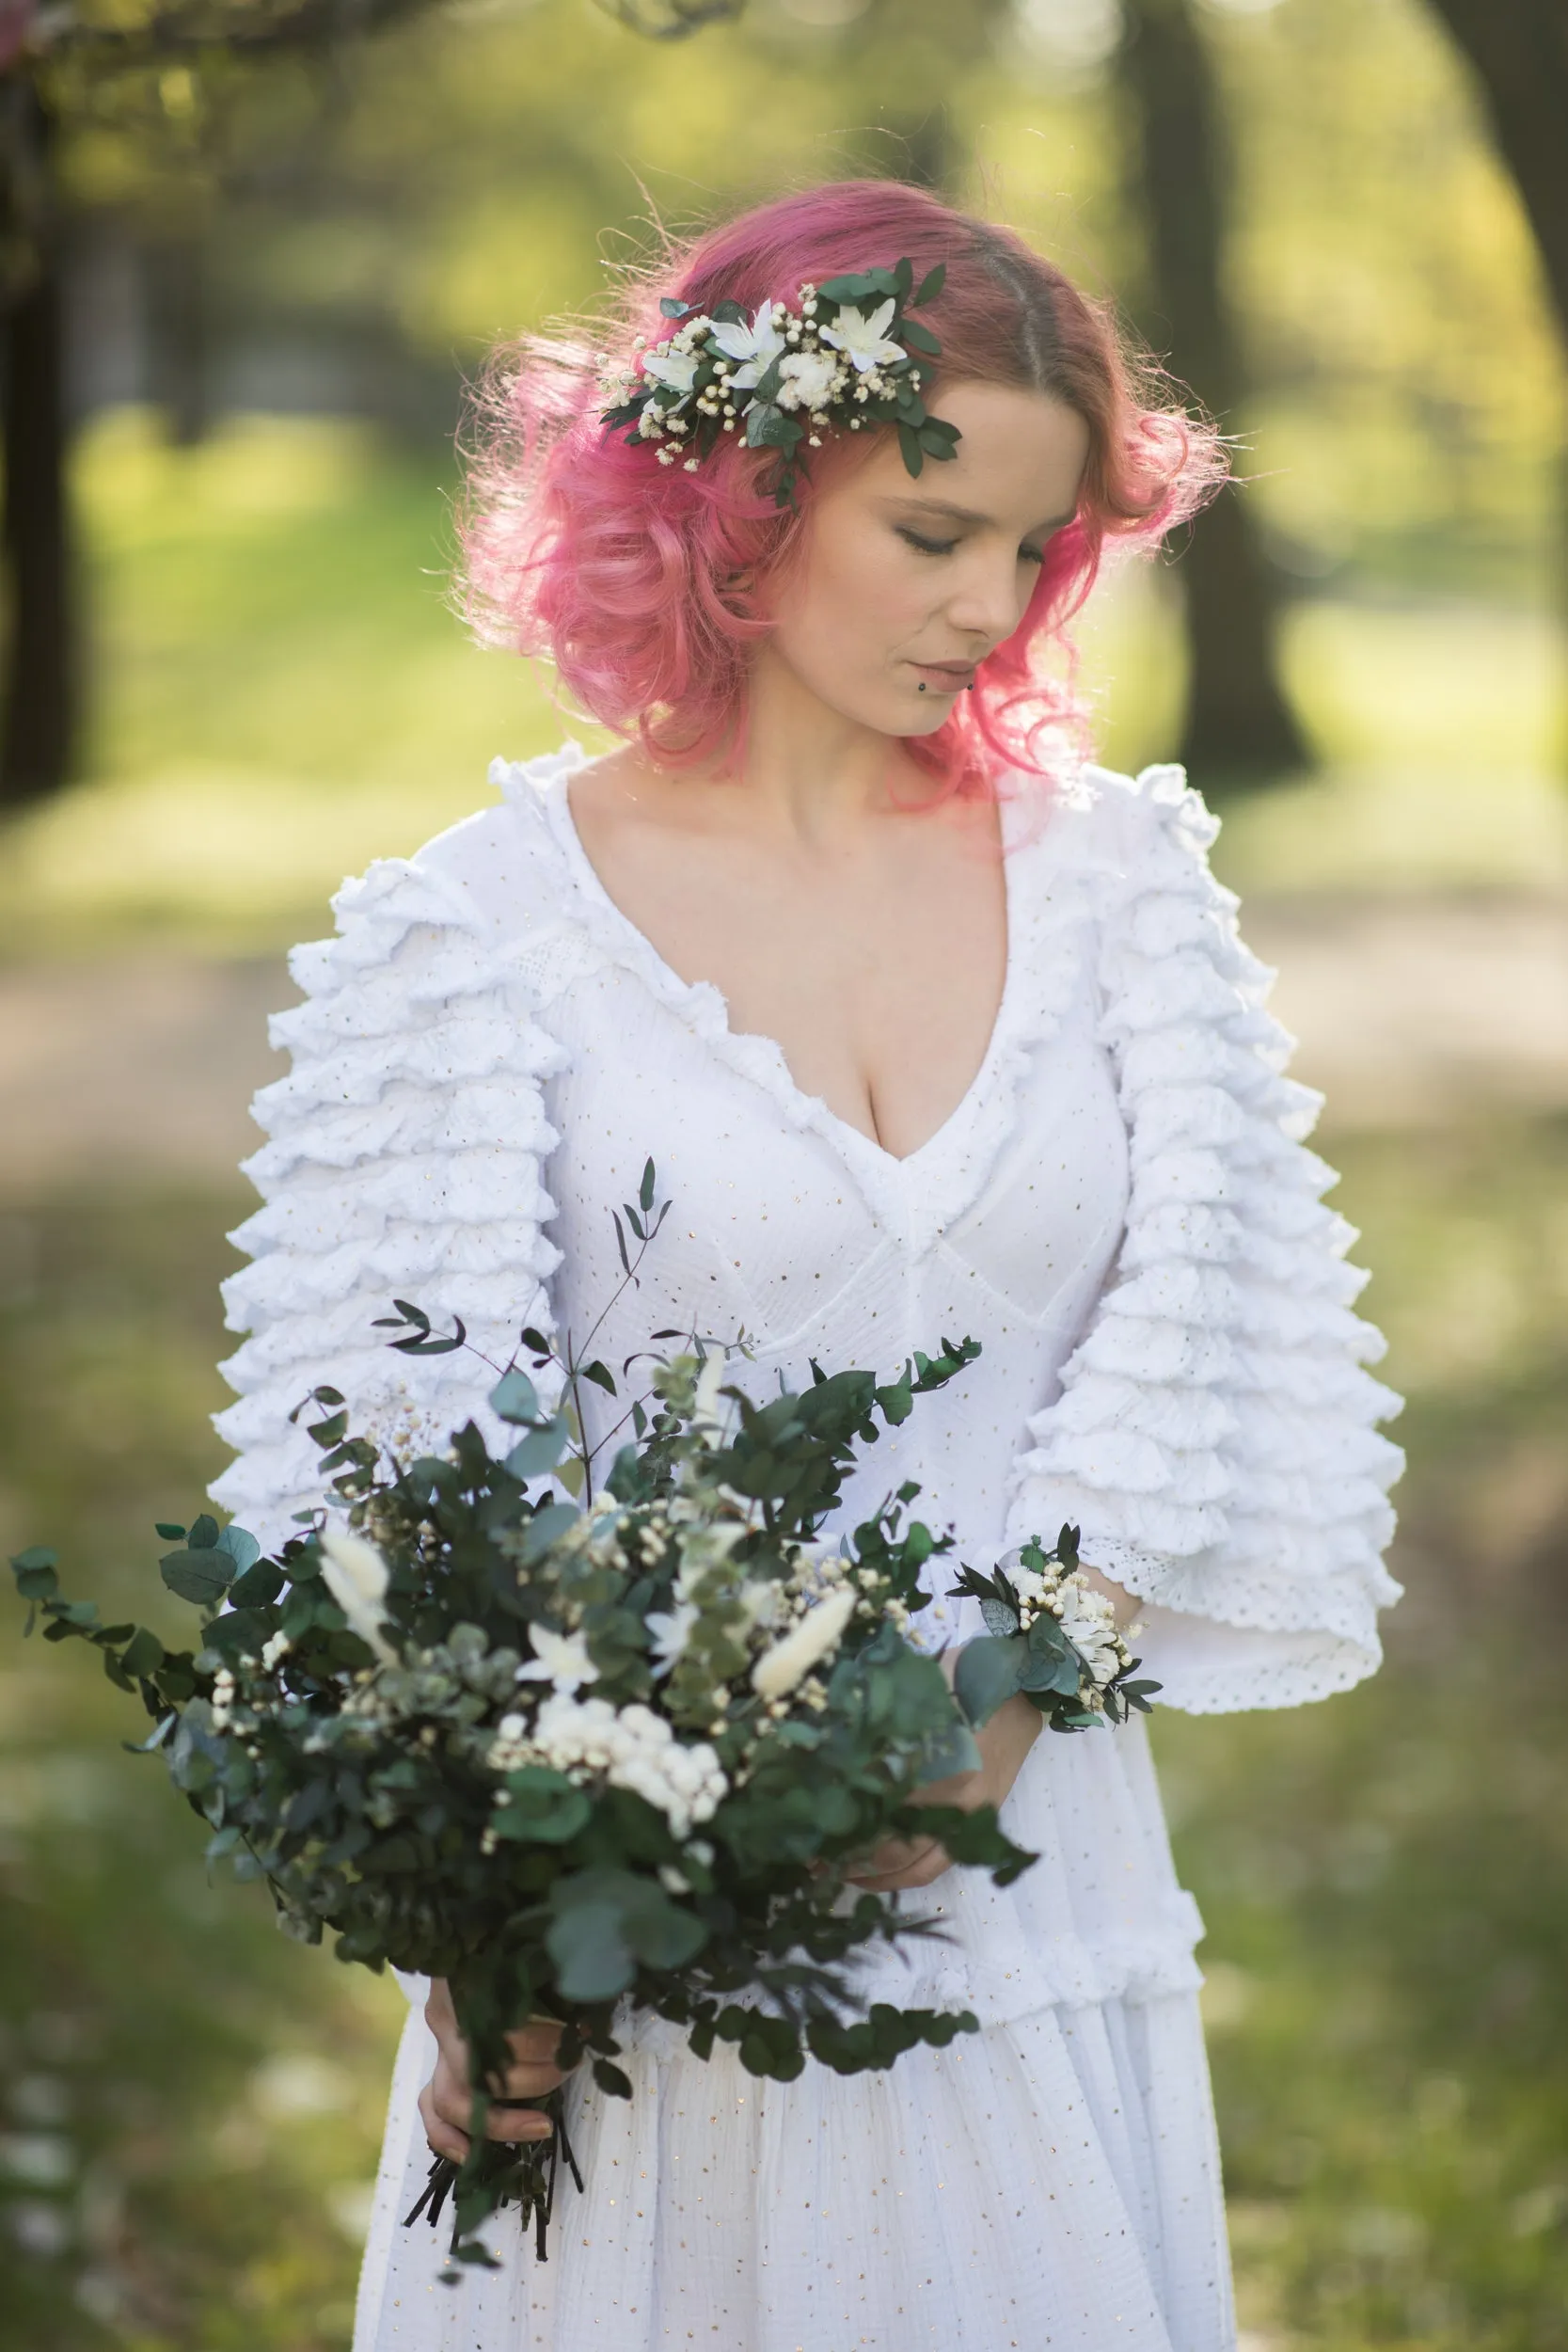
(1519, 53)
(1239, 727)
(159, 72)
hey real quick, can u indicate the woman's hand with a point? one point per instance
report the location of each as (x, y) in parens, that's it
(446, 2103)
(1004, 1743)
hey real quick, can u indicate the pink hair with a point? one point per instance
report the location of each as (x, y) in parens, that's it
(639, 580)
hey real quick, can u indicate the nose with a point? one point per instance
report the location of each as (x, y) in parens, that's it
(987, 600)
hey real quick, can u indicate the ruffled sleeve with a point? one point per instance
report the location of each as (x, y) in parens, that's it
(1214, 1438)
(403, 1160)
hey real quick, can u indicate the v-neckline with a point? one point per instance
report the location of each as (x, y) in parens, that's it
(807, 1108)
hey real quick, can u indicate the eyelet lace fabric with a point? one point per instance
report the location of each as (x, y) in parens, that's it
(1122, 1210)
(1215, 1436)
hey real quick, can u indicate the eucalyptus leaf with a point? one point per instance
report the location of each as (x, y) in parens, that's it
(588, 1943)
(515, 1398)
(987, 1672)
(240, 1544)
(202, 1576)
(539, 1452)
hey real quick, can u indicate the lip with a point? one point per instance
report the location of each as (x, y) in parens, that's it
(950, 677)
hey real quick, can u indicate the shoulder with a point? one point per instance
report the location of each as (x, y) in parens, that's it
(1138, 829)
(506, 864)
(495, 880)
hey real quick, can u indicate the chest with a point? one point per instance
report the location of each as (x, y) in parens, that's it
(876, 964)
(788, 1225)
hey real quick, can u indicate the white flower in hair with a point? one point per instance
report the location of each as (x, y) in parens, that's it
(674, 368)
(860, 338)
(756, 346)
(806, 379)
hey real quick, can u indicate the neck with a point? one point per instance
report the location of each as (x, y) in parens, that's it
(809, 770)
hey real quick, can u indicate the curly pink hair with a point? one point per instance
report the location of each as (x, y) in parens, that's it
(640, 581)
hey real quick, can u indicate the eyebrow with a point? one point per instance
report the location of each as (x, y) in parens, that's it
(970, 515)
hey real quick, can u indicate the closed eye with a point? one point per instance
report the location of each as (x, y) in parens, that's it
(946, 547)
(928, 547)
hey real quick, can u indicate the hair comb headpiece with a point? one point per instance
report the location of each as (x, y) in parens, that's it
(848, 357)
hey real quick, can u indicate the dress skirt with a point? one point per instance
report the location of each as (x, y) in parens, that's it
(1051, 2181)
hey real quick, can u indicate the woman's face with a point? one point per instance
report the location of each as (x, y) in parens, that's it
(904, 584)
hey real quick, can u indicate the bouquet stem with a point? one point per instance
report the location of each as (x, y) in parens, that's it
(501, 2173)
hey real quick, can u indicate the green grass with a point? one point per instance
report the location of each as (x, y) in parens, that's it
(1383, 1876)
(191, 2103)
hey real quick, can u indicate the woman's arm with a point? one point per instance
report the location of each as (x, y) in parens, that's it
(414, 1107)
(1214, 1439)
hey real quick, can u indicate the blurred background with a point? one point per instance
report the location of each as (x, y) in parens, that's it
(247, 256)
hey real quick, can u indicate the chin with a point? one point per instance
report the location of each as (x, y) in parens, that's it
(930, 712)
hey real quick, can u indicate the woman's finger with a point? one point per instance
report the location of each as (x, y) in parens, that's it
(890, 1860)
(916, 1866)
(445, 2138)
(515, 2123)
(451, 2103)
(526, 2082)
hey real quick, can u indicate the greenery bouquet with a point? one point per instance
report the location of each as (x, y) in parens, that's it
(586, 1751)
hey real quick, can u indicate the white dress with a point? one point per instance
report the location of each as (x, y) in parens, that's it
(1121, 1211)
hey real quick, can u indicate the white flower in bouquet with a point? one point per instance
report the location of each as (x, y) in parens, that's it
(779, 1669)
(860, 339)
(560, 1658)
(634, 1749)
(1089, 1623)
(512, 1746)
(670, 1629)
(355, 1574)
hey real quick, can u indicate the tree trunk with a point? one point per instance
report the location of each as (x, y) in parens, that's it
(1518, 50)
(1240, 729)
(37, 735)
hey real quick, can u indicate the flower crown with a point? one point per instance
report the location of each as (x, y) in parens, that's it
(787, 377)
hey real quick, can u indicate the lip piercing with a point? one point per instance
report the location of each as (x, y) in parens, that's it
(920, 689)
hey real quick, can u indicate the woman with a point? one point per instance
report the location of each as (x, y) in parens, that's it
(930, 1027)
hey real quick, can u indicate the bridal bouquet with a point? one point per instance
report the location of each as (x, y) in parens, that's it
(583, 1750)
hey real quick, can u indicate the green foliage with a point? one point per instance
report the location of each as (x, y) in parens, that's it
(359, 1729)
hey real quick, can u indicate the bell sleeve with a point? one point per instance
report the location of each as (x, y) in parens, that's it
(403, 1160)
(1214, 1438)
